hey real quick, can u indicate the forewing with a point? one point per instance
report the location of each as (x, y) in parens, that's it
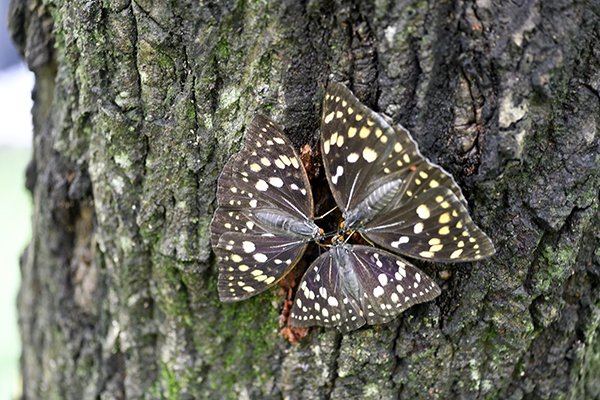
(253, 261)
(267, 173)
(320, 299)
(389, 284)
(362, 149)
(432, 225)
(354, 143)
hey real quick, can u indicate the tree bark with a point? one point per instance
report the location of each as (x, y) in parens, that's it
(138, 105)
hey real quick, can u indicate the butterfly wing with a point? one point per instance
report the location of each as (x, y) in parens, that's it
(354, 143)
(267, 173)
(321, 299)
(432, 225)
(252, 262)
(388, 283)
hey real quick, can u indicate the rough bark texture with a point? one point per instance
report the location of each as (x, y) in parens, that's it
(138, 104)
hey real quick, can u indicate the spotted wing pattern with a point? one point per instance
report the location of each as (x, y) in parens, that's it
(353, 285)
(388, 191)
(263, 222)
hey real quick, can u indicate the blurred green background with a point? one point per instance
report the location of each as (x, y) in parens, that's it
(16, 83)
(15, 214)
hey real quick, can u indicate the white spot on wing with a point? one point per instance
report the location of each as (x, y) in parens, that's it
(352, 158)
(261, 185)
(338, 173)
(369, 154)
(260, 257)
(248, 247)
(423, 211)
(402, 240)
(275, 181)
(329, 117)
(418, 228)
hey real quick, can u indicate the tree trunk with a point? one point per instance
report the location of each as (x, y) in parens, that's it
(138, 105)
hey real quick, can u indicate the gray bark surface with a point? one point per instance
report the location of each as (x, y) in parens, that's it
(138, 105)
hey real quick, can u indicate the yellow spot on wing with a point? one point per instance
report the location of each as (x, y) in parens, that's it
(435, 248)
(444, 218)
(255, 167)
(286, 160)
(456, 253)
(444, 230)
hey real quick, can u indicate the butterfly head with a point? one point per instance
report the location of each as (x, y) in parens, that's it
(317, 233)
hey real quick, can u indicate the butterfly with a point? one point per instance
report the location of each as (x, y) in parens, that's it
(393, 196)
(388, 191)
(264, 219)
(353, 285)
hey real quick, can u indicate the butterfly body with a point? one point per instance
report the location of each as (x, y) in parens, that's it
(372, 204)
(350, 284)
(285, 223)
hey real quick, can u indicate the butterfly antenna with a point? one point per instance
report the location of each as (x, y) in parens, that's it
(326, 214)
(348, 238)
